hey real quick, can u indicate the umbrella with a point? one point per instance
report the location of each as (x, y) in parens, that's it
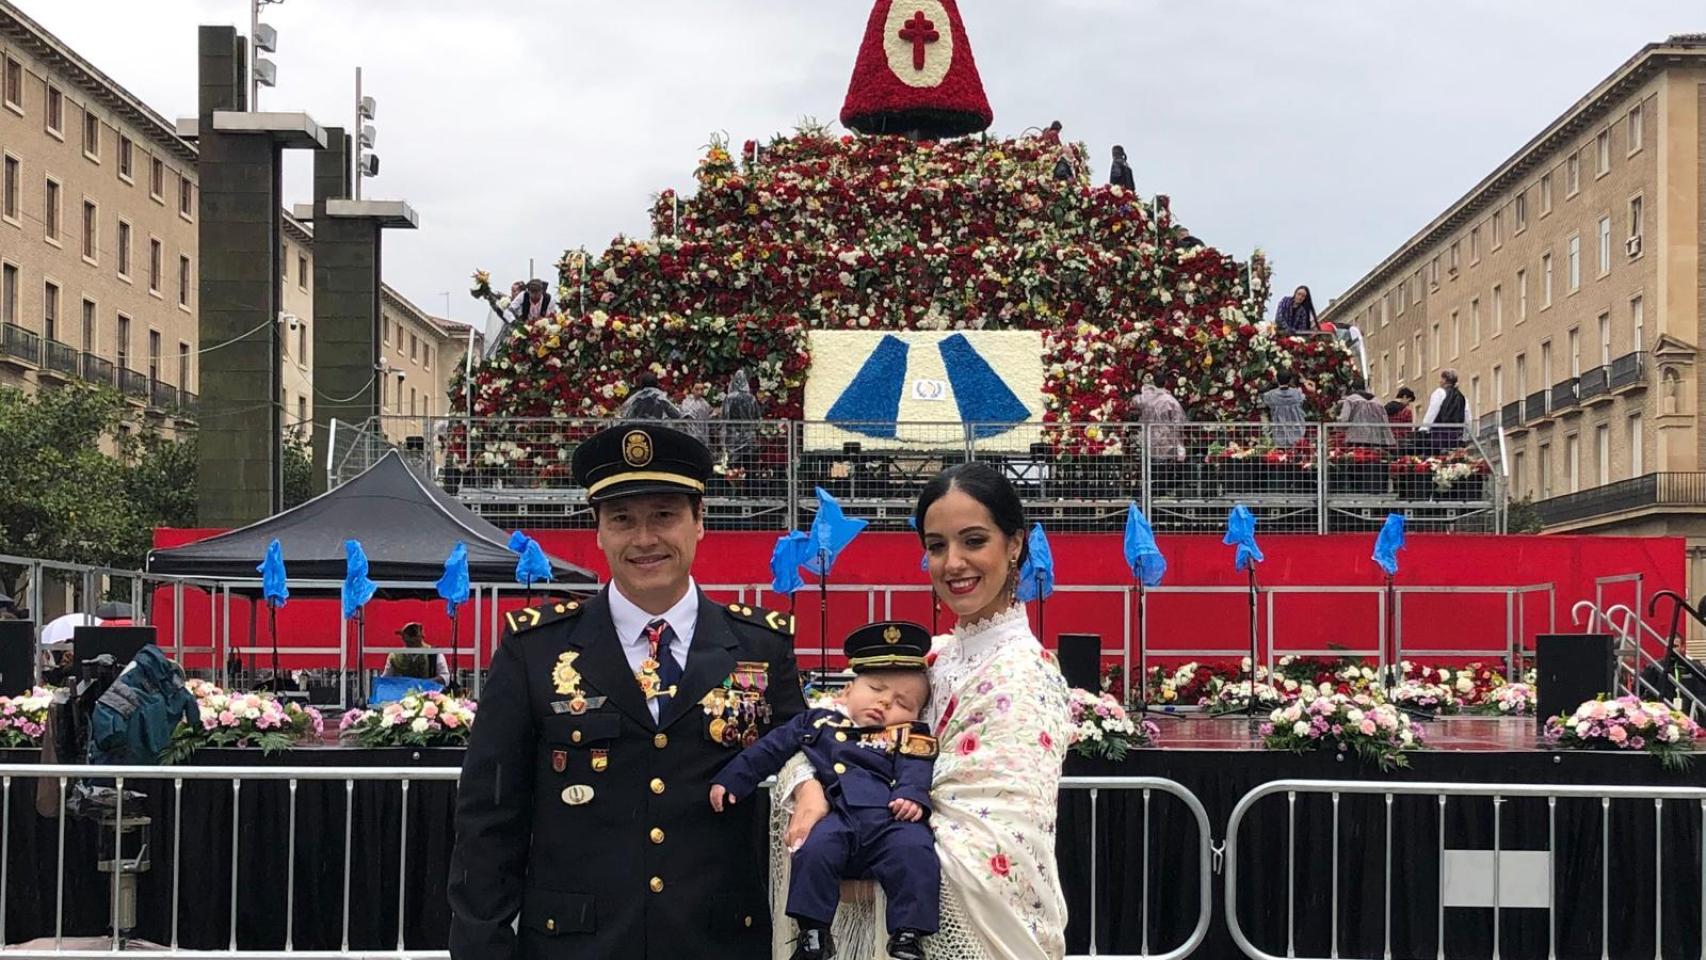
(60, 629)
(113, 610)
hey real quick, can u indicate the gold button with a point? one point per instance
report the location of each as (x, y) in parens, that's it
(841, 736)
(550, 924)
(734, 608)
(657, 785)
(657, 884)
(575, 737)
(841, 768)
(560, 608)
(574, 606)
(657, 834)
(660, 741)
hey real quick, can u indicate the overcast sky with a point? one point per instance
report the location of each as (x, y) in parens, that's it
(1325, 131)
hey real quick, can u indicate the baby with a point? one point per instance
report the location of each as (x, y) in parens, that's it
(874, 759)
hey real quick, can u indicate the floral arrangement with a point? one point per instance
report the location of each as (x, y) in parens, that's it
(1376, 732)
(1233, 696)
(1421, 696)
(815, 231)
(1471, 685)
(1102, 728)
(1627, 723)
(1187, 684)
(417, 720)
(232, 719)
(1444, 469)
(23, 719)
(1511, 700)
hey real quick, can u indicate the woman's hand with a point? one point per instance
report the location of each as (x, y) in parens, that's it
(810, 806)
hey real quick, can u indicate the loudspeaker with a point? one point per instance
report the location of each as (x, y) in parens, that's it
(17, 647)
(87, 643)
(1081, 660)
(1571, 669)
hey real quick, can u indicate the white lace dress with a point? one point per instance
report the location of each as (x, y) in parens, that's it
(999, 709)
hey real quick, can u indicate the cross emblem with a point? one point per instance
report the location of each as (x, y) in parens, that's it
(920, 31)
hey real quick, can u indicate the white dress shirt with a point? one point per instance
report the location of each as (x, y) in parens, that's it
(1435, 401)
(631, 623)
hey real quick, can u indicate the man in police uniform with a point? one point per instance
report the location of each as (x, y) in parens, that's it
(582, 798)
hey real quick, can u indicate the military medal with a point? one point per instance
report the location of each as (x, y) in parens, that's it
(559, 760)
(577, 794)
(600, 760)
(647, 676)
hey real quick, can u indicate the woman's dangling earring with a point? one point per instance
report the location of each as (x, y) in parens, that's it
(1012, 581)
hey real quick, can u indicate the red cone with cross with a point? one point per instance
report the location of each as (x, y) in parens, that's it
(916, 74)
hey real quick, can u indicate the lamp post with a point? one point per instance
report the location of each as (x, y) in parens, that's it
(262, 39)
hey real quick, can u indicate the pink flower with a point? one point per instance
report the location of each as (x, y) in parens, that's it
(1617, 734)
(429, 711)
(1000, 865)
(1045, 741)
(451, 721)
(227, 718)
(1003, 703)
(968, 744)
(1367, 727)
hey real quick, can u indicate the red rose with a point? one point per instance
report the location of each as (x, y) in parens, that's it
(968, 744)
(1045, 741)
(1000, 865)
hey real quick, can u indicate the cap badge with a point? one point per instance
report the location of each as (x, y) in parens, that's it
(891, 635)
(637, 448)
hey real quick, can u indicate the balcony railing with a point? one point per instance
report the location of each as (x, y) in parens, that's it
(97, 370)
(1629, 370)
(1651, 490)
(162, 396)
(1511, 414)
(133, 383)
(62, 358)
(1564, 394)
(1534, 407)
(20, 344)
(188, 405)
(1488, 425)
(1594, 383)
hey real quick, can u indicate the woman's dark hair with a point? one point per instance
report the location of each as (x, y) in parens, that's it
(987, 486)
(1308, 298)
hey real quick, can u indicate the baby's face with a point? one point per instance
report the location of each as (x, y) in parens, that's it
(885, 698)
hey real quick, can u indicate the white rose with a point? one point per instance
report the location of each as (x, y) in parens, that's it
(1300, 728)
(420, 725)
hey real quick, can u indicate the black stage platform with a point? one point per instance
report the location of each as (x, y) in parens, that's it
(1219, 766)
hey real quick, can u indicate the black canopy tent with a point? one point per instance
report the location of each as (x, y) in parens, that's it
(406, 525)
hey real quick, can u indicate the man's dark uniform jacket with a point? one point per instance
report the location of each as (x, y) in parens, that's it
(593, 821)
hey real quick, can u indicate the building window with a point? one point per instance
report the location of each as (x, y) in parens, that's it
(385, 330)
(1545, 194)
(1475, 322)
(302, 409)
(1475, 392)
(1604, 245)
(1637, 453)
(1403, 364)
(55, 113)
(1403, 295)
(1416, 351)
(284, 263)
(302, 342)
(1605, 339)
(1637, 216)
(1573, 462)
(428, 358)
(1519, 474)
(1602, 153)
(1573, 175)
(1574, 263)
(91, 135)
(8, 294)
(155, 253)
(1521, 295)
(183, 365)
(1474, 245)
(9, 190)
(1498, 229)
(1545, 280)
(1498, 309)
(183, 281)
(1433, 273)
(1456, 256)
(1519, 210)
(124, 250)
(50, 210)
(50, 311)
(126, 158)
(414, 348)
(1521, 376)
(1602, 452)
(1456, 336)
(1386, 372)
(154, 356)
(89, 326)
(1545, 458)
(414, 409)
(1545, 363)
(1575, 342)
(157, 178)
(186, 197)
(1385, 310)
(91, 223)
(1433, 344)
(123, 355)
(1498, 385)
(302, 271)
(14, 85)
(1638, 322)
(1637, 135)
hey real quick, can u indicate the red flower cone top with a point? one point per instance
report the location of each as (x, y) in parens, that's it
(916, 74)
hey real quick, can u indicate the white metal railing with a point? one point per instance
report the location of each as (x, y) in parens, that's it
(1498, 794)
(1631, 636)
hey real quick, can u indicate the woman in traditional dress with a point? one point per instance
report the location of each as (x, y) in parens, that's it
(999, 710)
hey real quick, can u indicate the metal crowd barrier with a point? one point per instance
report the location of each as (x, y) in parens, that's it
(1445, 792)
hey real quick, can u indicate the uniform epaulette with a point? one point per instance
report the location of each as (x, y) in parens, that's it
(920, 745)
(774, 620)
(532, 618)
